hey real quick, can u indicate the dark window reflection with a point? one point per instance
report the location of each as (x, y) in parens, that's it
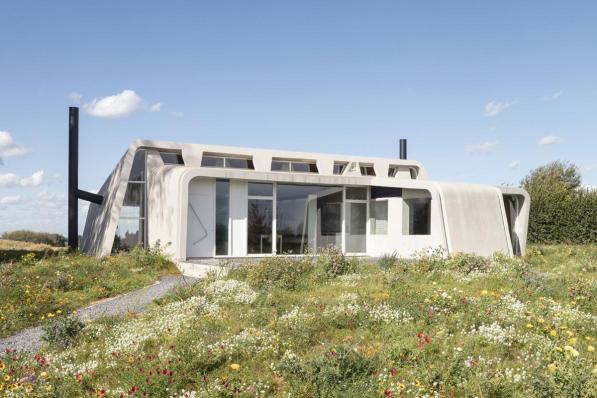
(307, 217)
(138, 167)
(222, 216)
(259, 221)
(419, 216)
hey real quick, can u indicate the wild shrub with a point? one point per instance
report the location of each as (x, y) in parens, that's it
(333, 262)
(62, 331)
(467, 263)
(281, 272)
(338, 372)
(387, 261)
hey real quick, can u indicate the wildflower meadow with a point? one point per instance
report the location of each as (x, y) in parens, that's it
(333, 326)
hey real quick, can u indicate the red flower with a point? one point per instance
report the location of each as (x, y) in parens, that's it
(388, 393)
(393, 371)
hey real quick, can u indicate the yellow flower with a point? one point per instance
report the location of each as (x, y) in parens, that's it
(570, 350)
(551, 368)
(541, 320)
(553, 333)
(234, 366)
(29, 388)
(590, 348)
(59, 312)
(569, 333)
(1, 386)
(44, 374)
(6, 377)
(401, 386)
(2, 365)
(529, 326)
(572, 340)
(484, 292)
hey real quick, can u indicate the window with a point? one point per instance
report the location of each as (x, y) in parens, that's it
(378, 208)
(417, 216)
(260, 218)
(378, 213)
(367, 169)
(413, 173)
(356, 193)
(131, 228)
(385, 192)
(307, 217)
(392, 171)
(339, 167)
(294, 165)
(226, 161)
(222, 216)
(171, 158)
(356, 219)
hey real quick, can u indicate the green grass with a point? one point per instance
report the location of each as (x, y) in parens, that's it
(33, 290)
(338, 327)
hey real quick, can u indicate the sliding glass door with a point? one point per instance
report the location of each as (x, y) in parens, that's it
(260, 218)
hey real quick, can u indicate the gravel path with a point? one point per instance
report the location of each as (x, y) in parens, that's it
(135, 301)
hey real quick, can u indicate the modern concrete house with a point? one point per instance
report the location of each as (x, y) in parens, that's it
(207, 201)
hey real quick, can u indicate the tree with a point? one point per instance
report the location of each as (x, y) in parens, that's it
(561, 211)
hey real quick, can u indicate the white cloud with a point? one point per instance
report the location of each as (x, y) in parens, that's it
(494, 107)
(548, 140)
(155, 107)
(9, 148)
(483, 147)
(10, 180)
(178, 114)
(552, 97)
(119, 105)
(513, 164)
(34, 181)
(10, 200)
(75, 98)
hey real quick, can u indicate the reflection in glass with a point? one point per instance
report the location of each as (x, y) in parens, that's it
(239, 163)
(356, 193)
(356, 228)
(171, 158)
(134, 200)
(138, 167)
(261, 189)
(129, 233)
(222, 216)
(418, 215)
(259, 222)
(212, 161)
(307, 216)
(378, 214)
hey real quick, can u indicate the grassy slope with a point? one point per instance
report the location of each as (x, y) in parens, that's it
(433, 327)
(33, 290)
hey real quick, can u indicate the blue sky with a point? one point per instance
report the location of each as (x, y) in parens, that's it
(484, 91)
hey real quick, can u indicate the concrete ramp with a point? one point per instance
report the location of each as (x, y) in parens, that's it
(474, 218)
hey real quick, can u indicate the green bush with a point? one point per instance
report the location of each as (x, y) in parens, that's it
(47, 238)
(387, 261)
(333, 262)
(467, 263)
(62, 331)
(561, 211)
(281, 272)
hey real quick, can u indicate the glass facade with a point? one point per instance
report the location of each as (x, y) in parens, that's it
(417, 216)
(259, 223)
(307, 217)
(229, 162)
(222, 216)
(130, 231)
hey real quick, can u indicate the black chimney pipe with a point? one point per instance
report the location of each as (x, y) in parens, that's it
(74, 193)
(402, 148)
(73, 177)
